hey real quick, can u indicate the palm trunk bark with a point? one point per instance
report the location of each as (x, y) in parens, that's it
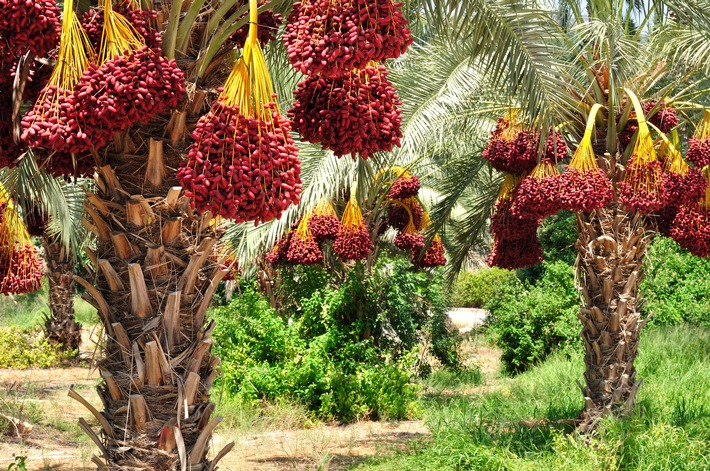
(611, 247)
(60, 326)
(155, 275)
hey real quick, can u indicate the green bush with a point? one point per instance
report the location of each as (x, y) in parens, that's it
(676, 287)
(27, 348)
(409, 305)
(310, 360)
(531, 321)
(474, 289)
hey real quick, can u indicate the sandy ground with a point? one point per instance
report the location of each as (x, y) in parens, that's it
(55, 443)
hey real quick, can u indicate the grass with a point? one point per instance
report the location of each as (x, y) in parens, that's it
(241, 418)
(28, 310)
(512, 423)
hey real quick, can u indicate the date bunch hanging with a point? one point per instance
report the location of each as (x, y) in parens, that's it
(277, 255)
(539, 194)
(354, 113)
(699, 145)
(514, 149)
(21, 267)
(329, 37)
(682, 185)
(691, 225)
(405, 185)
(28, 25)
(515, 241)
(58, 121)
(642, 187)
(432, 256)
(584, 187)
(303, 248)
(131, 82)
(353, 241)
(243, 164)
(409, 239)
(324, 223)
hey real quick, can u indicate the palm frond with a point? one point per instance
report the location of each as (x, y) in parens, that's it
(62, 201)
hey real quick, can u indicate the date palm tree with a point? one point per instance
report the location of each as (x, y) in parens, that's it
(155, 266)
(553, 62)
(59, 203)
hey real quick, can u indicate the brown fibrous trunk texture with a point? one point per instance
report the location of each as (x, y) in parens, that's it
(60, 326)
(611, 247)
(152, 295)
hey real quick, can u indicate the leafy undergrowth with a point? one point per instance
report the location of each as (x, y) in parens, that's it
(518, 423)
(28, 348)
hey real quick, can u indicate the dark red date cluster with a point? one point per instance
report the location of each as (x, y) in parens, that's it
(501, 151)
(357, 113)
(324, 226)
(433, 256)
(352, 243)
(57, 123)
(512, 254)
(404, 187)
(409, 241)
(303, 250)
(538, 198)
(127, 90)
(698, 152)
(142, 20)
(665, 118)
(642, 188)
(685, 189)
(242, 168)
(506, 226)
(28, 25)
(519, 155)
(526, 148)
(109, 98)
(21, 269)
(585, 191)
(691, 229)
(332, 37)
(278, 253)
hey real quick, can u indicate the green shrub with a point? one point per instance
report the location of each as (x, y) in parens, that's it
(409, 306)
(474, 289)
(309, 360)
(676, 286)
(27, 348)
(531, 321)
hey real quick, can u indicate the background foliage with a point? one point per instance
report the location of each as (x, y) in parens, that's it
(345, 350)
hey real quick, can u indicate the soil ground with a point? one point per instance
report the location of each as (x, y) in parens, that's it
(56, 442)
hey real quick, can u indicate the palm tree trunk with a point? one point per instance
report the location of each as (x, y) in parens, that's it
(60, 326)
(611, 247)
(154, 278)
